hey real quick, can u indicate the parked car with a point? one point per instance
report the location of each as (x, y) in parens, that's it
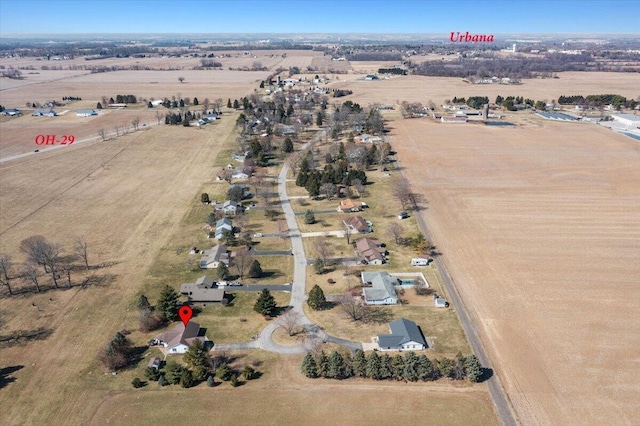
(403, 215)
(234, 284)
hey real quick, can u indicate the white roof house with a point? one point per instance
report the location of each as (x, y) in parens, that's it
(85, 112)
(629, 120)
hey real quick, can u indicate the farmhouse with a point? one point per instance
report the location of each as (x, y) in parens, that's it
(371, 251)
(85, 113)
(366, 138)
(356, 224)
(44, 113)
(204, 290)
(348, 205)
(244, 173)
(405, 334)
(454, 119)
(178, 340)
(629, 120)
(212, 258)
(378, 288)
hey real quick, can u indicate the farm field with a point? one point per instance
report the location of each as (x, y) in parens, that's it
(539, 227)
(126, 197)
(415, 88)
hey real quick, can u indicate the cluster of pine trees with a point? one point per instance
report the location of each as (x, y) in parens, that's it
(598, 100)
(408, 367)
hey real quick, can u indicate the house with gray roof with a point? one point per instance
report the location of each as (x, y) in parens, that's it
(222, 225)
(44, 113)
(204, 290)
(405, 335)
(378, 288)
(212, 258)
(85, 112)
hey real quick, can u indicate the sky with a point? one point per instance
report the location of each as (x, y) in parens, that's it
(328, 16)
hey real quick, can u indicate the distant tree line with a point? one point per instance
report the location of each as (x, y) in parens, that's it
(374, 56)
(398, 71)
(408, 367)
(71, 98)
(598, 100)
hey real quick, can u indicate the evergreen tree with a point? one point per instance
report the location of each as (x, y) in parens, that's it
(162, 381)
(152, 374)
(266, 303)
(223, 271)
(322, 365)
(309, 367)
(318, 265)
(195, 101)
(229, 103)
(255, 270)
(309, 218)
(386, 367)
(248, 373)
(359, 363)
(98, 105)
(224, 372)
(301, 179)
(459, 372)
(236, 104)
(426, 369)
(445, 365)
(287, 145)
(316, 299)
(234, 381)
(262, 84)
(473, 368)
(186, 379)
(172, 372)
(197, 357)
(374, 365)
(313, 186)
(410, 372)
(319, 119)
(204, 198)
(168, 303)
(137, 383)
(143, 303)
(398, 367)
(336, 366)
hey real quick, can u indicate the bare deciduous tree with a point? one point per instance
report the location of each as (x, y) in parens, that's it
(219, 103)
(347, 231)
(243, 261)
(117, 129)
(290, 321)
(159, 116)
(136, 123)
(403, 193)
(181, 79)
(329, 189)
(352, 307)
(80, 248)
(31, 273)
(102, 133)
(52, 259)
(394, 230)
(323, 249)
(34, 247)
(5, 269)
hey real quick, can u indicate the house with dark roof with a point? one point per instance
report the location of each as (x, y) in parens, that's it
(212, 258)
(371, 251)
(405, 335)
(357, 225)
(204, 290)
(178, 340)
(378, 288)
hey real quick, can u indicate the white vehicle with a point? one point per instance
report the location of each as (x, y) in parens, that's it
(420, 262)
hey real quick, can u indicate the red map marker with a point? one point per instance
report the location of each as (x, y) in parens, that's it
(185, 314)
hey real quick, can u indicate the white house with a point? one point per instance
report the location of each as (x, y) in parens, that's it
(420, 261)
(230, 207)
(405, 335)
(85, 113)
(11, 112)
(378, 288)
(440, 302)
(178, 340)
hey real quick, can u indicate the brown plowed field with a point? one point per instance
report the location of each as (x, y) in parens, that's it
(540, 230)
